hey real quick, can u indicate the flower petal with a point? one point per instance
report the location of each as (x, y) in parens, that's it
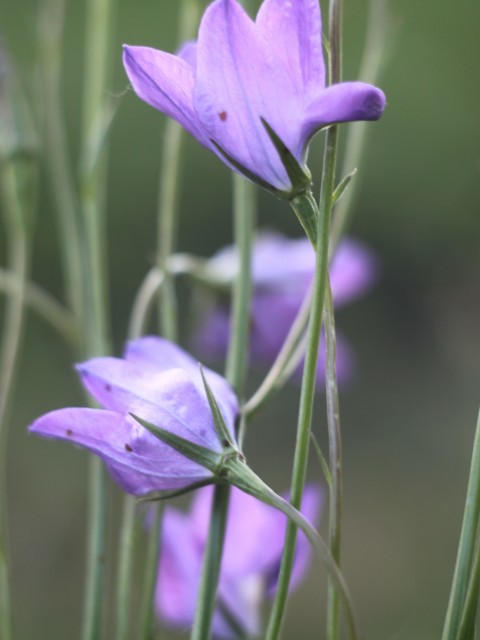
(294, 31)
(165, 82)
(115, 439)
(188, 52)
(168, 399)
(239, 81)
(344, 102)
(157, 354)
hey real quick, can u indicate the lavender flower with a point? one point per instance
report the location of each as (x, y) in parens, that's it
(282, 271)
(160, 383)
(251, 560)
(240, 74)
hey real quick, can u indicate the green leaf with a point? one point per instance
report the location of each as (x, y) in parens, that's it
(203, 456)
(300, 178)
(158, 496)
(223, 433)
(342, 187)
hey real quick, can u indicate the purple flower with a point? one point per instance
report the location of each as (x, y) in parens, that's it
(282, 271)
(242, 71)
(251, 560)
(160, 383)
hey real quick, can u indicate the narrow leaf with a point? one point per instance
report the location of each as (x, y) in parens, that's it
(342, 187)
(220, 427)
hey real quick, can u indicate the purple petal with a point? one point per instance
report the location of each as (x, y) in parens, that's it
(353, 271)
(151, 353)
(293, 30)
(168, 399)
(188, 53)
(344, 102)
(138, 461)
(166, 82)
(239, 81)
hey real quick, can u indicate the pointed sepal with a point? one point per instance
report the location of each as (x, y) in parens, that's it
(223, 433)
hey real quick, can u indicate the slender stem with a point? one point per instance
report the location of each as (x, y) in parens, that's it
(307, 393)
(466, 547)
(211, 564)
(244, 204)
(150, 576)
(17, 205)
(466, 627)
(125, 564)
(168, 204)
(45, 305)
(375, 56)
(51, 30)
(335, 451)
(92, 192)
(244, 214)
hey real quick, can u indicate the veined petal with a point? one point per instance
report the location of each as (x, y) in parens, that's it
(151, 353)
(239, 81)
(165, 82)
(168, 399)
(293, 28)
(344, 102)
(107, 434)
(188, 52)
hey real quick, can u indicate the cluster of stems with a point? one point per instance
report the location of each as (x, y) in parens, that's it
(83, 320)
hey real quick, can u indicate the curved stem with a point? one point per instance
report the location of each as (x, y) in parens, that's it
(15, 204)
(44, 304)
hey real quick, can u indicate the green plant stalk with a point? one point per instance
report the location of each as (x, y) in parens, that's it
(307, 392)
(244, 215)
(51, 22)
(335, 455)
(466, 547)
(92, 200)
(150, 575)
(466, 628)
(375, 57)
(168, 205)
(125, 564)
(18, 199)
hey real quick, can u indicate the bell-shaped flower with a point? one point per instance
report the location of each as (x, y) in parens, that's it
(250, 565)
(161, 384)
(244, 79)
(282, 272)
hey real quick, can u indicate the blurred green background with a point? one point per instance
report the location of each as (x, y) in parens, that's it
(408, 420)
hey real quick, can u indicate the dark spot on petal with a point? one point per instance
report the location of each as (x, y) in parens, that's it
(222, 115)
(69, 433)
(128, 448)
(108, 387)
(225, 443)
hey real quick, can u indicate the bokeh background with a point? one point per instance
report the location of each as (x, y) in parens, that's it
(408, 419)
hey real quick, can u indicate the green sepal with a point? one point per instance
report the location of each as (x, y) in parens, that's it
(223, 433)
(238, 473)
(300, 178)
(201, 455)
(342, 187)
(253, 177)
(158, 496)
(306, 211)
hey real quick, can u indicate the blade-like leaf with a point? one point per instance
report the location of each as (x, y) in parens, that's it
(223, 433)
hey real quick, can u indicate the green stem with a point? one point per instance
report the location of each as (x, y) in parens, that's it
(211, 564)
(50, 36)
(375, 56)
(466, 628)
(307, 393)
(466, 547)
(92, 197)
(125, 565)
(150, 576)
(244, 214)
(335, 450)
(16, 201)
(168, 204)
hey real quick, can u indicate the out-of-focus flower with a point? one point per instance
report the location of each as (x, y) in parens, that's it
(282, 271)
(160, 383)
(251, 560)
(242, 72)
